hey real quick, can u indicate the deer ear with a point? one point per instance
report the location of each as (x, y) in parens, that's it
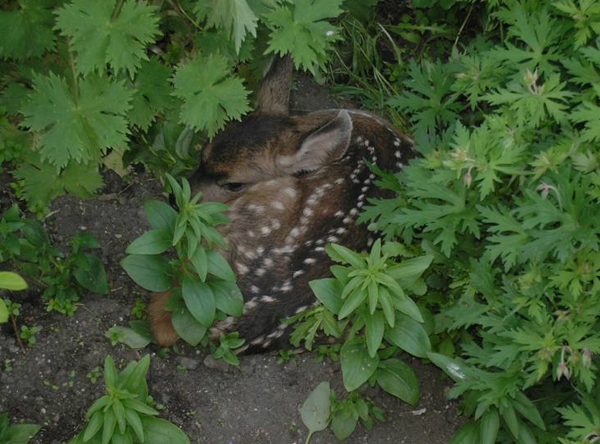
(326, 145)
(274, 93)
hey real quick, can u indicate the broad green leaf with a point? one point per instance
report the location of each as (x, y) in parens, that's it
(149, 272)
(490, 424)
(12, 281)
(159, 431)
(92, 276)
(228, 297)
(160, 215)
(218, 266)
(110, 372)
(102, 36)
(200, 262)
(375, 326)
(93, 426)
(467, 434)
(134, 381)
(133, 419)
(455, 368)
(186, 326)
(139, 406)
(328, 291)
(21, 433)
(409, 335)
(108, 426)
(398, 379)
(127, 336)
(343, 423)
(528, 409)
(352, 302)
(407, 306)
(151, 242)
(357, 364)
(409, 270)
(212, 95)
(4, 315)
(348, 256)
(316, 409)
(77, 127)
(200, 300)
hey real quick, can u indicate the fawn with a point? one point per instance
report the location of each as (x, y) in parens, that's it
(293, 184)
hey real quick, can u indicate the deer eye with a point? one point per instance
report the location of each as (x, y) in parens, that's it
(233, 186)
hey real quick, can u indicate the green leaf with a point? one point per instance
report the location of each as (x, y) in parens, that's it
(235, 16)
(152, 93)
(140, 407)
(151, 242)
(357, 364)
(102, 36)
(348, 256)
(398, 379)
(93, 426)
(328, 291)
(200, 300)
(218, 266)
(200, 262)
(110, 372)
(20, 433)
(133, 419)
(159, 431)
(343, 423)
(316, 409)
(108, 426)
(490, 424)
(302, 30)
(127, 336)
(77, 127)
(4, 315)
(42, 182)
(455, 368)
(90, 274)
(467, 434)
(160, 215)
(12, 281)
(409, 335)
(352, 302)
(528, 409)
(408, 271)
(510, 417)
(212, 95)
(149, 272)
(375, 325)
(27, 31)
(407, 306)
(186, 326)
(228, 297)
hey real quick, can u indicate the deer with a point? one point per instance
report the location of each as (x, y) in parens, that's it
(293, 183)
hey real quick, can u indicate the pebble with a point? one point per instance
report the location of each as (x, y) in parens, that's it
(188, 363)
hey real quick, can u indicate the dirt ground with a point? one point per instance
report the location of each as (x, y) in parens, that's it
(256, 404)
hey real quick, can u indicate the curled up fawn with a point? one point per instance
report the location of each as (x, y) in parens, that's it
(293, 185)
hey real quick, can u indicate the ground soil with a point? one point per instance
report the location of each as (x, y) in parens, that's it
(256, 404)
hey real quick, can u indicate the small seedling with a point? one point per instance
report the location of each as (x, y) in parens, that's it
(286, 355)
(225, 349)
(94, 375)
(29, 334)
(139, 309)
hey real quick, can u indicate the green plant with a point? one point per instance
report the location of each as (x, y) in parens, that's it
(227, 344)
(14, 282)
(124, 414)
(158, 74)
(505, 198)
(368, 296)
(94, 374)
(26, 246)
(29, 334)
(16, 434)
(139, 309)
(206, 289)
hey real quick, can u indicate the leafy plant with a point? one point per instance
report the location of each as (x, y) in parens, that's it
(225, 350)
(125, 414)
(86, 83)
(368, 298)
(16, 433)
(29, 334)
(25, 246)
(202, 282)
(9, 281)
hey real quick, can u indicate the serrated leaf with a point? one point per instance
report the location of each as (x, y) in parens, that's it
(212, 95)
(77, 127)
(235, 16)
(27, 31)
(102, 36)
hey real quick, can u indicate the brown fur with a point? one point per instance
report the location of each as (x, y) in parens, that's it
(305, 181)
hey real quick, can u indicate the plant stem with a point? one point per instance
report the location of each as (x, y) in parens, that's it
(13, 319)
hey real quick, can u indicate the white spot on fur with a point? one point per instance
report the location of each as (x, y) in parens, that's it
(397, 142)
(353, 212)
(278, 205)
(341, 230)
(310, 260)
(347, 220)
(290, 192)
(298, 273)
(254, 289)
(339, 214)
(339, 181)
(267, 299)
(260, 271)
(241, 268)
(265, 231)
(307, 212)
(301, 309)
(332, 239)
(363, 189)
(276, 225)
